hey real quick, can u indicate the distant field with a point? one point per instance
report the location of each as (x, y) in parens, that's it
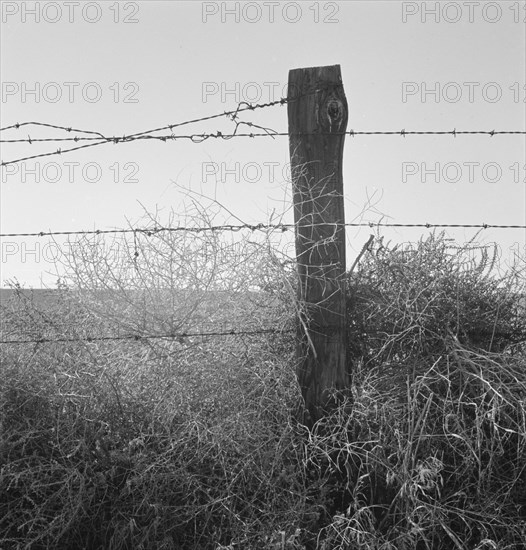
(39, 296)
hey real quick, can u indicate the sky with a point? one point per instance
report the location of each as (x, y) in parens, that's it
(119, 68)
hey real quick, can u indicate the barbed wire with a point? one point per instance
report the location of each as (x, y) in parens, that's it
(256, 227)
(197, 138)
(232, 114)
(101, 139)
(139, 337)
(241, 107)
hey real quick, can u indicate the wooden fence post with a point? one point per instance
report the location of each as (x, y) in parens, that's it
(317, 117)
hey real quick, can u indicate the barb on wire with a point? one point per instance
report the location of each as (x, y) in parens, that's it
(268, 131)
(139, 337)
(150, 231)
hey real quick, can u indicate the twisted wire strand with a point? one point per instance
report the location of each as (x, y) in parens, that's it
(256, 227)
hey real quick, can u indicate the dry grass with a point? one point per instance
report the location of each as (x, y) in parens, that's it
(121, 445)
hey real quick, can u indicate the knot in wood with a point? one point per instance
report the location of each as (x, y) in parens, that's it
(335, 110)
